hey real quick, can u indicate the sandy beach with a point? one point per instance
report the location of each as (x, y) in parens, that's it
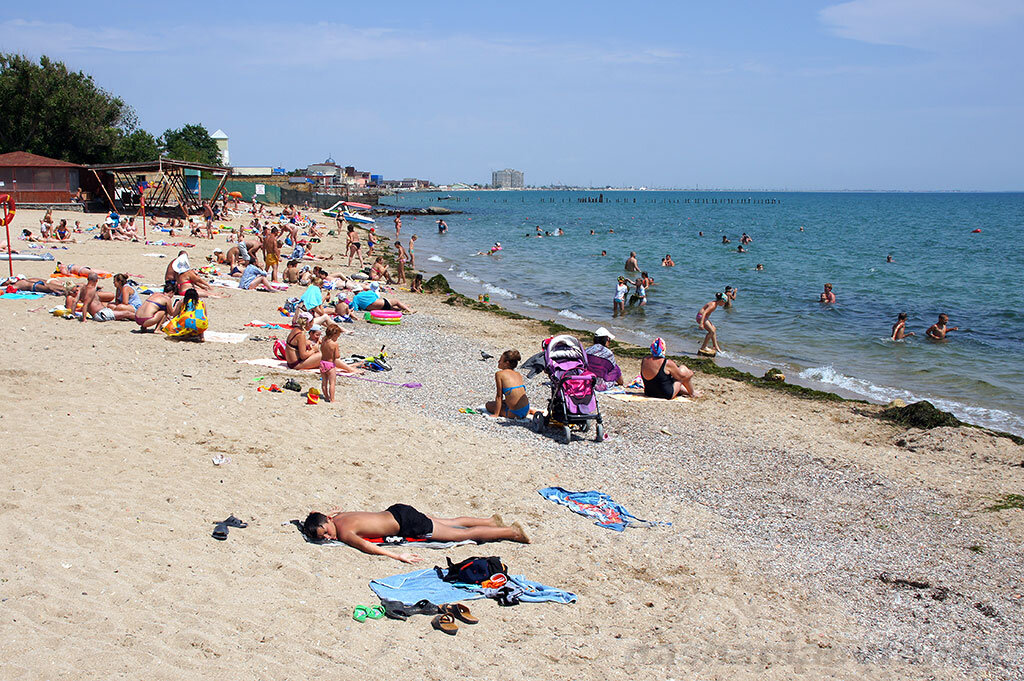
(808, 539)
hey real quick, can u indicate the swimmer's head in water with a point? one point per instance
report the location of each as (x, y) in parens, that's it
(719, 297)
(943, 318)
(658, 348)
(901, 317)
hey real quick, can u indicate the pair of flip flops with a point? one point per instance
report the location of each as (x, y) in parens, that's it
(220, 530)
(363, 612)
(397, 610)
(445, 622)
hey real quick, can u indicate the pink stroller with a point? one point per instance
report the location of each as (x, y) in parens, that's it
(573, 403)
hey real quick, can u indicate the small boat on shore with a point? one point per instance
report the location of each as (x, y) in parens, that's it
(349, 212)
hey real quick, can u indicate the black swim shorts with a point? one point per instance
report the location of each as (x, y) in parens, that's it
(411, 523)
(385, 304)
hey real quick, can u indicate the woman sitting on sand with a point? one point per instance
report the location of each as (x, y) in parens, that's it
(510, 400)
(379, 271)
(155, 309)
(662, 377)
(300, 353)
(126, 299)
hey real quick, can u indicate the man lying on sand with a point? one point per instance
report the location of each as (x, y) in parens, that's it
(401, 520)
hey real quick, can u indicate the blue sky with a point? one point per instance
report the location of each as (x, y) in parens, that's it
(867, 94)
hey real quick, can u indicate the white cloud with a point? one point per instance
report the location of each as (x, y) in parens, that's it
(312, 45)
(926, 24)
(38, 37)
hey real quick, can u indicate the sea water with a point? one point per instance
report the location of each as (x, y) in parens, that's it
(803, 240)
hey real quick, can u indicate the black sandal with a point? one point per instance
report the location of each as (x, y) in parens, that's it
(220, 531)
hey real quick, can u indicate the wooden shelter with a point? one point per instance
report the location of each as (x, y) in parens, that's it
(31, 178)
(163, 184)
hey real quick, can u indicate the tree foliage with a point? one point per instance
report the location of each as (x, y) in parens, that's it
(46, 109)
(136, 146)
(191, 142)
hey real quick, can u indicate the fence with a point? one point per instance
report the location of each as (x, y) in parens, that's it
(272, 193)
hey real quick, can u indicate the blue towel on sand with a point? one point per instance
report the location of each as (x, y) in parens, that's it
(597, 505)
(313, 297)
(425, 584)
(22, 295)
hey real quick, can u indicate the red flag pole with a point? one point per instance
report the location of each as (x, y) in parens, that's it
(142, 199)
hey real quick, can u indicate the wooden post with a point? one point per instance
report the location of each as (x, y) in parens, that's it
(104, 188)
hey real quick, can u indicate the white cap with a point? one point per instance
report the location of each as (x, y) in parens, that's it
(217, 250)
(605, 333)
(180, 264)
(316, 327)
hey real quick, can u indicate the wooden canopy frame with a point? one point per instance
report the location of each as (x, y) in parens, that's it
(168, 194)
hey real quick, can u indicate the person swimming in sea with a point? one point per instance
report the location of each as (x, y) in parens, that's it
(938, 330)
(725, 239)
(827, 296)
(899, 329)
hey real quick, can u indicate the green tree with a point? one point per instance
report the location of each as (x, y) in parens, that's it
(135, 146)
(191, 143)
(46, 109)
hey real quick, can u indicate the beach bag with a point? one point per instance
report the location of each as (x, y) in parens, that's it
(474, 570)
(279, 350)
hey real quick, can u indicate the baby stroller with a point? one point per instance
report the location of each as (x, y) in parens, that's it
(573, 403)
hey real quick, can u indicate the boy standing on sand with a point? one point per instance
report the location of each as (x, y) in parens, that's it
(938, 330)
(401, 520)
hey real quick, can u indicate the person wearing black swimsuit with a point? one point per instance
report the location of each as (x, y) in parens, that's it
(662, 377)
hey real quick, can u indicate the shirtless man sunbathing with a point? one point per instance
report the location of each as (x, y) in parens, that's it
(400, 520)
(35, 285)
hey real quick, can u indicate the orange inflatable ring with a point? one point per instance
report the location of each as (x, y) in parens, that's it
(8, 201)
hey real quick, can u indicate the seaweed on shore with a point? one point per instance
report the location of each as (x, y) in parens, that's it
(1009, 501)
(923, 414)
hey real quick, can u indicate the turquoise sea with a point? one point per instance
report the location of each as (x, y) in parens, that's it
(939, 265)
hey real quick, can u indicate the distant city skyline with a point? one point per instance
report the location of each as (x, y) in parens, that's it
(862, 94)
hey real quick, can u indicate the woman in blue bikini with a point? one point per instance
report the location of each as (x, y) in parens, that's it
(510, 398)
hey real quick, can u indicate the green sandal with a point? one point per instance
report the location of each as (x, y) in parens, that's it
(363, 612)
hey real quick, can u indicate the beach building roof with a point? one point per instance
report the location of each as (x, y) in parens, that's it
(23, 159)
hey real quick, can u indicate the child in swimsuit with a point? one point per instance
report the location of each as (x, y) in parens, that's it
(328, 355)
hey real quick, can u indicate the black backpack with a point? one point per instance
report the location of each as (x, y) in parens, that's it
(472, 570)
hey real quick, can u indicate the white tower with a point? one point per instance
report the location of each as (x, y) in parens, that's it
(221, 138)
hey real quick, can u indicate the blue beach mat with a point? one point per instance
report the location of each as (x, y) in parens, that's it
(413, 587)
(599, 506)
(22, 295)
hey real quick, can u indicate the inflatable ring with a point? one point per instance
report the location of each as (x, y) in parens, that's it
(8, 201)
(387, 315)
